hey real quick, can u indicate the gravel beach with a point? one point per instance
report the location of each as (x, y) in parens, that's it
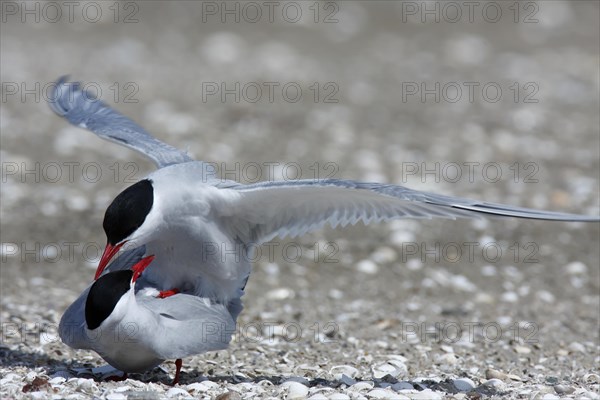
(496, 101)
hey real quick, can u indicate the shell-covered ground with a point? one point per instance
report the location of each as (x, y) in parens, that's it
(496, 101)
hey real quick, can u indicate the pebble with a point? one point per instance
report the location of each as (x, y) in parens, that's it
(464, 384)
(563, 389)
(8, 378)
(298, 379)
(116, 396)
(403, 385)
(248, 387)
(522, 349)
(445, 359)
(591, 378)
(509, 297)
(339, 370)
(590, 395)
(173, 392)
(426, 394)
(62, 374)
(497, 384)
(281, 294)
(363, 385)
(393, 368)
(513, 377)
(367, 267)
(384, 254)
(493, 374)
(210, 384)
(576, 347)
(384, 394)
(86, 385)
(576, 268)
(295, 390)
(338, 396)
(550, 396)
(229, 396)
(562, 352)
(346, 380)
(447, 349)
(196, 387)
(414, 264)
(57, 380)
(546, 296)
(460, 282)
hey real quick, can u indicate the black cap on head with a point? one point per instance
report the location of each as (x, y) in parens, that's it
(104, 295)
(128, 211)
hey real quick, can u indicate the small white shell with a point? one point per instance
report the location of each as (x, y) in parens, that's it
(464, 384)
(295, 390)
(338, 370)
(173, 392)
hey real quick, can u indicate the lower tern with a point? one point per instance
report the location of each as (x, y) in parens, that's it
(136, 330)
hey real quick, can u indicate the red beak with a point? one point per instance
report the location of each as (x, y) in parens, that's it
(109, 253)
(140, 267)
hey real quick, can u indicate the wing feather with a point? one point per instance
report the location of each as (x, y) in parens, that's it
(291, 208)
(82, 109)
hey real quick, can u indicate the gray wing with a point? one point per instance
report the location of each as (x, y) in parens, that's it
(80, 108)
(126, 259)
(189, 325)
(262, 211)
(72, 326)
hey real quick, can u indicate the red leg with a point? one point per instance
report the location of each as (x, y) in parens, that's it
(178, 364)
(167, 293)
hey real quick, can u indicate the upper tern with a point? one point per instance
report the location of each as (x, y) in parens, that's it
(191, 221)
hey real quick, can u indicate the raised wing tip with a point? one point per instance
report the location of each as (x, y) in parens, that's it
(57, 100)
(498, 210)
(68, 96)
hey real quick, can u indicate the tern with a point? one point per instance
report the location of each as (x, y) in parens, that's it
(134, 330)
(202, 229)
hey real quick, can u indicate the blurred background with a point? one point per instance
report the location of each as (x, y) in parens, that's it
(495, 100)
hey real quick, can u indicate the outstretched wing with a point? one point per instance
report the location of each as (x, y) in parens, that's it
(262, 211)
(82, 109)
